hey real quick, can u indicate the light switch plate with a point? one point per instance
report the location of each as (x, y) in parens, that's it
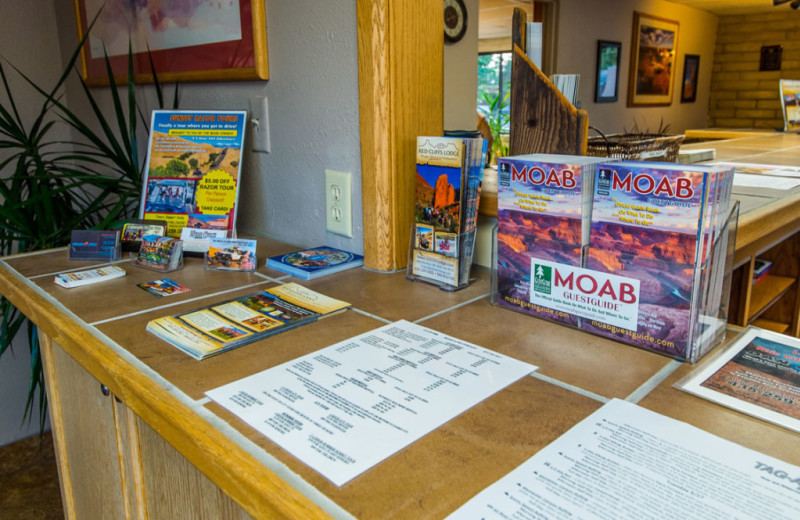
(259, 117)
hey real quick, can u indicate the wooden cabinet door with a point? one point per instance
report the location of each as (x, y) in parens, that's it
(82, 418)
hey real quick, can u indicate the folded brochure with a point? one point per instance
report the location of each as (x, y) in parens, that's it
(232, 323)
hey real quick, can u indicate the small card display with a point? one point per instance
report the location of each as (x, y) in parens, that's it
(231, 254)
(91, 244)
(160, 253)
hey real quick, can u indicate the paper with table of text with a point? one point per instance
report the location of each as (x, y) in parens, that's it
(345, 408)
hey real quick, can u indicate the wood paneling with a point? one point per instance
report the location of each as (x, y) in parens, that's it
(85, 437)
(400, 76)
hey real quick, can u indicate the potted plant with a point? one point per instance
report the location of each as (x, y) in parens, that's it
(497, 115)
(48, 187)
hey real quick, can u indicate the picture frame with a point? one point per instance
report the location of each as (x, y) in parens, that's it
(225, 41)
(654, 47)
(691, 71)
(607, 79)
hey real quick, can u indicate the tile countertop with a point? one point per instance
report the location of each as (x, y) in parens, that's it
(433, 476)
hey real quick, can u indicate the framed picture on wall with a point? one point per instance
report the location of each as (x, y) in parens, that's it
(188, 41)
(691, 68)
(654, 45)
(607, 81)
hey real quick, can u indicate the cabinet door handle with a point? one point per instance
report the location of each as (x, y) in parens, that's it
(104, 389)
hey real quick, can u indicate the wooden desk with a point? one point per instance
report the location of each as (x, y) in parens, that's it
(149, 445)
(705, 134)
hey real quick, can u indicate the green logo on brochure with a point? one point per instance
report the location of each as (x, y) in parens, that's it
(542, 278)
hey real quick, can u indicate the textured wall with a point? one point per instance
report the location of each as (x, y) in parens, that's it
(313, 118)
(583, 22)
(741, 94)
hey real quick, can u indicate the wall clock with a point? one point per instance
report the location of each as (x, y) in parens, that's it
(455, 20)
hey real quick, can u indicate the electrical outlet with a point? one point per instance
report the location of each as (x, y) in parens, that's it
(259, 117)
(339, 202)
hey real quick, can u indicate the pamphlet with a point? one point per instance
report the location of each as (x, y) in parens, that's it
(231, 254)
(90, 276)
(627, 463)
(196, 241)
(790, 103)
(163, 287)
(345, 408)
(449, 172)
(194, 163)
(315, 262)
(133, 231)
(229, 324)
(757, 374)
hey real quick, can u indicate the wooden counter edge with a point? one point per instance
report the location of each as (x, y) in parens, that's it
(228, 465)
(761, 227)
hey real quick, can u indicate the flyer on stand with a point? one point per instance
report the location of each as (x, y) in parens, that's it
(194, 162)
(758, 374)
(347, 407)
(627, 463)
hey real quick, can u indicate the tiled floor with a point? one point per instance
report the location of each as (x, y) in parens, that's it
(29, 480)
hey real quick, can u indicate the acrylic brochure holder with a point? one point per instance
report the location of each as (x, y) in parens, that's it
(112, 254)
(156, 257)
(704, 314)
(95, 245)
(441, 259)
(227, 261)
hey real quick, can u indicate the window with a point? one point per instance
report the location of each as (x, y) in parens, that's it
(494, 84)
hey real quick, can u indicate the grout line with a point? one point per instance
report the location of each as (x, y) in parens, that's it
(655, 380)
(571, 388)
(167, 305)
(32, 253)
(365, 313)
(84, 268)
(454, 307)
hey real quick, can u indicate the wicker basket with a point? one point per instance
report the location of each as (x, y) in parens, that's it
(638, 147)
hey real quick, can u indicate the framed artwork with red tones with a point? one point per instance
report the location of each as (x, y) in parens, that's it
(691, 70)
(193, 40)
(654, 46)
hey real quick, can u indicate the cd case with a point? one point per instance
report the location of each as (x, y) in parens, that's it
(315, 262)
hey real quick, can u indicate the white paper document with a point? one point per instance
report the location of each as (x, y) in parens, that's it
(344, 408)
(626, 462)
(749, 180)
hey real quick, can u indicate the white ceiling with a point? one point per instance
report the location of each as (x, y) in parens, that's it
(495, 15)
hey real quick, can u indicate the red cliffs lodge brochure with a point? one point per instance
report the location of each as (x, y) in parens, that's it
(194, 162)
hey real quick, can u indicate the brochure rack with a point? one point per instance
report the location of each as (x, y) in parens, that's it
(112, 254)
(95, 245)
(163, 254)
(706, 319)
(441, 261)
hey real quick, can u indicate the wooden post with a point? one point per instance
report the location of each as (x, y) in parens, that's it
(400, 77)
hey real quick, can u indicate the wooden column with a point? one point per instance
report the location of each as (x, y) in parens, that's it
(400, 49)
